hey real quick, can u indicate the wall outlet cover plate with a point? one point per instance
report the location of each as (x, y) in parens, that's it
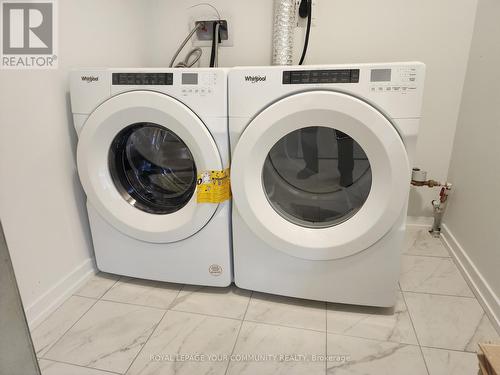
(196, 42)
(302, 22)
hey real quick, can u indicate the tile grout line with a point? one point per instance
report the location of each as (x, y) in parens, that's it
(447, 349)
(177, 296)
(145, 342)
(372, 339)
(141, 305)
(135, 304)
(452, 261)
(427, 256)
(286, 326)
(153, 330)
(57, 309)
(439, 294)
(66, 331)
(208, 315)
(102, 295)
(81, 316)
(239, 331)
(81, 366)
(416, 335)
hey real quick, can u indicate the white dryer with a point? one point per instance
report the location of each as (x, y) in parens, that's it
(321, 165)
(144, 136)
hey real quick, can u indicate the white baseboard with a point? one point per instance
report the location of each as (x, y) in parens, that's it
(484, 294)
(419, 220)
(58, 293)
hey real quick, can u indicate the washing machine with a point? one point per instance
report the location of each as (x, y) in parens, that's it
(321, 170)
(144, 138)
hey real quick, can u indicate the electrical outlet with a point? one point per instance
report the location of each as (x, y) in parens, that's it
(203, 37)
(206, 31)
(302, 22)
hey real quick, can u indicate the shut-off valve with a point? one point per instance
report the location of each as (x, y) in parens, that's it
(419, 178)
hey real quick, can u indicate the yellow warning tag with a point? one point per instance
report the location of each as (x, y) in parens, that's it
(213, 186)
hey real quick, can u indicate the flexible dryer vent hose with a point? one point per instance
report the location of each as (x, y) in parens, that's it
(284, 23)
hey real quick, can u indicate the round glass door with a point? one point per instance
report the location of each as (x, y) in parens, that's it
(320, 175)
(152, 168)
(317, 177)
(140, 175)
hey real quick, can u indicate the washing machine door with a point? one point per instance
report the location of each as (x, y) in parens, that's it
(138, 157)
(320, 175)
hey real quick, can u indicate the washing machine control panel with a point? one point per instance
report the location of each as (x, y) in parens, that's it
(197, 84)
(192, 84)
(293, 77)
(143, 79)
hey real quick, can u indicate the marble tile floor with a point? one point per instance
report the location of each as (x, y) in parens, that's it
(116, 325)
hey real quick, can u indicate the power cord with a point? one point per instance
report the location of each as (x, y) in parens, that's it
(305, 8)
(216, 39)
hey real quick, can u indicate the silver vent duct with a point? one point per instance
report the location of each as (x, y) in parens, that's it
(283, 28)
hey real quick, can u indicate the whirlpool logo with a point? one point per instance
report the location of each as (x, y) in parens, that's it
(90, 79)
(28, 34)
(255, 79)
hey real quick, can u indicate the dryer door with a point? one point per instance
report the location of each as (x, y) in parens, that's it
(138, 157)
(320, 175)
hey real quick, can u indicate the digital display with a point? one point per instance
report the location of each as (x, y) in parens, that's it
(189, 78)
(142, 78)
(380, 75)
(292, 77)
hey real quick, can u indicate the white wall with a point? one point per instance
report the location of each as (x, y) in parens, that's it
(41, 201)
(472, 219)
(437, 33)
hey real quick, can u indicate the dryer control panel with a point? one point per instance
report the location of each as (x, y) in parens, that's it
(398, 79)
(293, 77)
(395, 87)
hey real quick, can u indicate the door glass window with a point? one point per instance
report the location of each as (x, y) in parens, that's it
(152, 168)
(317, 177)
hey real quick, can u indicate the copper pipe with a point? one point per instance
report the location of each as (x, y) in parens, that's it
(429, 183)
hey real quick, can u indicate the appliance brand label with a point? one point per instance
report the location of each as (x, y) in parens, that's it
(90, 79)
(215, 270)
(255, 79)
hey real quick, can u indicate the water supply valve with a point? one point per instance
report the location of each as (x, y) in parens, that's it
(419, 178)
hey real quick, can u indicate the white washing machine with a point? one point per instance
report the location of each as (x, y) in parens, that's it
(321, 169)
(144, 137)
